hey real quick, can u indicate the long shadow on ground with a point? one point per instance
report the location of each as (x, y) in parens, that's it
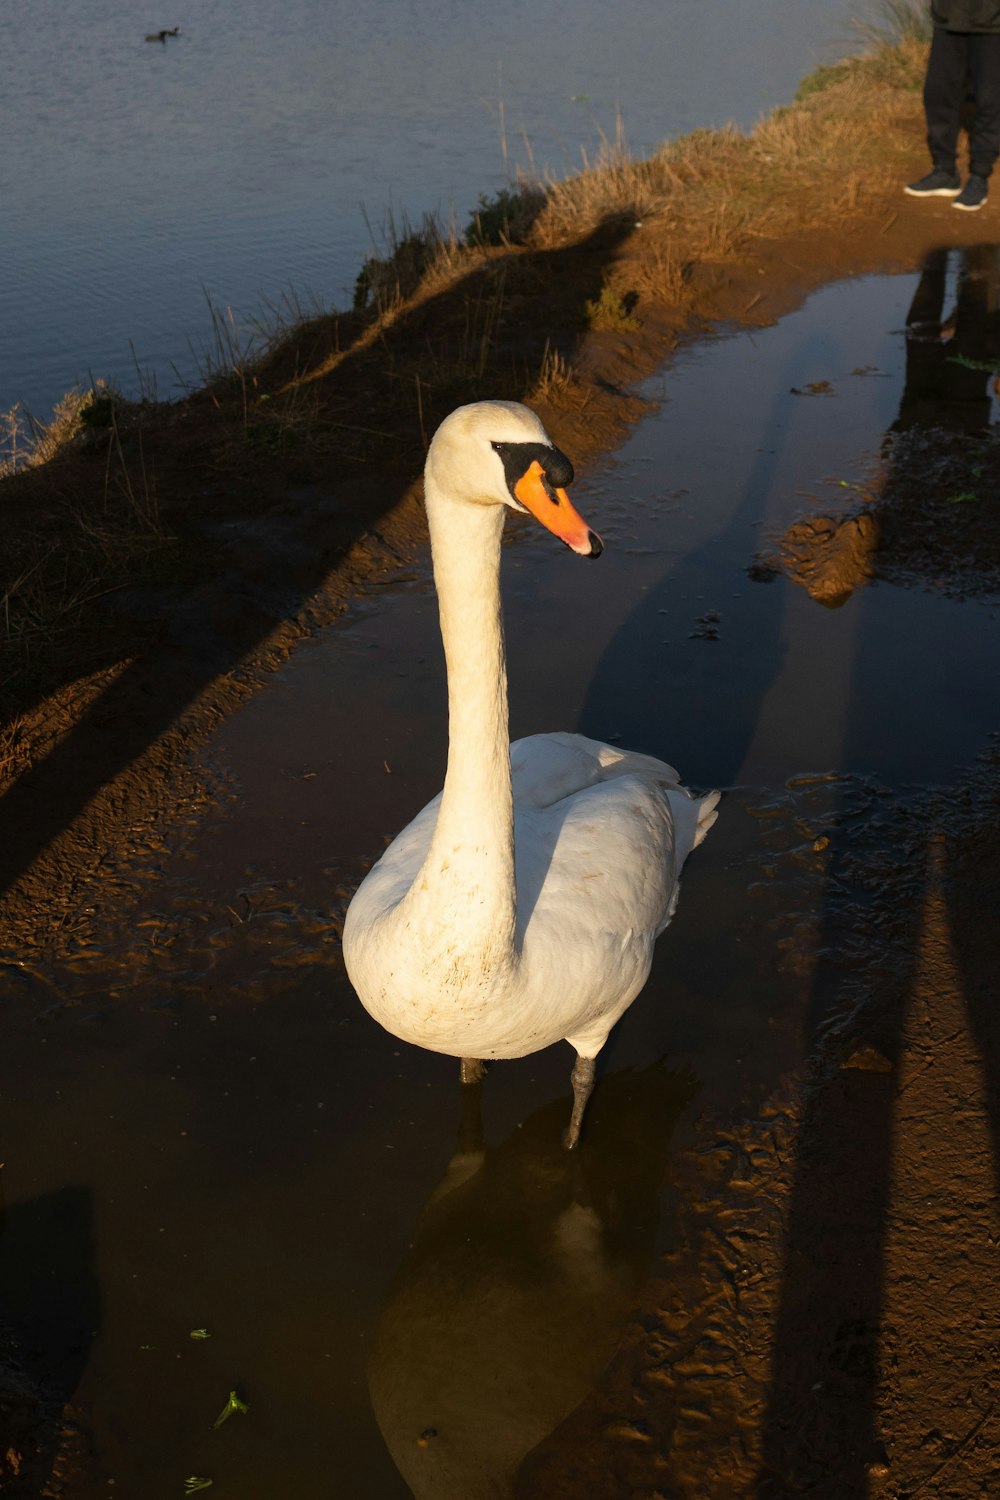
(941, 886)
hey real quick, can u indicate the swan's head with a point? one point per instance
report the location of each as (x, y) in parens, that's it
(498, 453)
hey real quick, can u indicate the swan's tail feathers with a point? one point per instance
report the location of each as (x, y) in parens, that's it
(708, 811)
(692, 818)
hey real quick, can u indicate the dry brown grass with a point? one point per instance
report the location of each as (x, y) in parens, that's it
(27, 442)
(664, 276)
(720, 188)
(555, 377)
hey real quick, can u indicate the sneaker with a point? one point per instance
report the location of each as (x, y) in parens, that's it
(937, 184)
(973, 195)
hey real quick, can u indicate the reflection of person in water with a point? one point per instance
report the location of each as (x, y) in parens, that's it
(951, 364)
(910, 906)
(949, 360)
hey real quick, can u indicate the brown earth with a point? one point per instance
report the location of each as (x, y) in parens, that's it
(767, 1357)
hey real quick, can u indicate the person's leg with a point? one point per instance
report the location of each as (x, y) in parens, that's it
(944, 87)
(984, 138)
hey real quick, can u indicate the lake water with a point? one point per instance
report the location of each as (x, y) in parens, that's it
(241, 159)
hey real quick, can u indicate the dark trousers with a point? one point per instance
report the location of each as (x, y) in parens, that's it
(961, 61)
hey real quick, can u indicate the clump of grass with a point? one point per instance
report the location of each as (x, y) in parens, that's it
(395, 271)
(283, 422)
(15, 443)
(507, 217)
(66, 424)
(664, 276)
(237, 347)
(232, 350)
(27, 442)
(823, 77)
(38, 606)
(465, 372)
(613, 187)
(128, 521)
(12, 757)
(251, 372)
(555, 375)
(81, 549)
(611, 311)
(903, 21)
(895, 53)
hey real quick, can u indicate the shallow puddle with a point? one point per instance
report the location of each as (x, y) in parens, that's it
(238, 1148)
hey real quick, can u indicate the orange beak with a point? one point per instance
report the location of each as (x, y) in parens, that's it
(555, 511)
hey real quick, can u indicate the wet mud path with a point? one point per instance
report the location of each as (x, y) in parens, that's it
(205, 1131)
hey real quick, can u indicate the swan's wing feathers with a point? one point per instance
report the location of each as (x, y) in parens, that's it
(545, 768)
(605, 858)
(597, 881)
(693, 817)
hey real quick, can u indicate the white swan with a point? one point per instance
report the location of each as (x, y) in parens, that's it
(521, 906)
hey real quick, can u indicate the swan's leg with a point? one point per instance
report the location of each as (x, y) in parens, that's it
(473, 1071)
(582, 1078)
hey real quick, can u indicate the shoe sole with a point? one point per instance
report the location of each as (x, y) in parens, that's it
(934, 192)
(970, 208)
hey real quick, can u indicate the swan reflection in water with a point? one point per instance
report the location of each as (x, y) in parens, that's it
(524, 1266)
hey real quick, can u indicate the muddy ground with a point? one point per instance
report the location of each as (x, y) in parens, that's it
(826, 1317)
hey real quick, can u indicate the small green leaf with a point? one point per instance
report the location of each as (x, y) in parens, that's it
(233, 1404)
(199, 1333)
(967, 497)
(988, 365)
(196, 1482)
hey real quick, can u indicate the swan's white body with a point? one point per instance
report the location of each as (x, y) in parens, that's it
(599, 839)
(520, 907)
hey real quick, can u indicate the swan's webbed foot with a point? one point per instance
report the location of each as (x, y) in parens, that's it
(583, 1082)
(473, 1070)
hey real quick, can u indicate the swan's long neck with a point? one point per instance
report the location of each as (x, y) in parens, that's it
(469, 870)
